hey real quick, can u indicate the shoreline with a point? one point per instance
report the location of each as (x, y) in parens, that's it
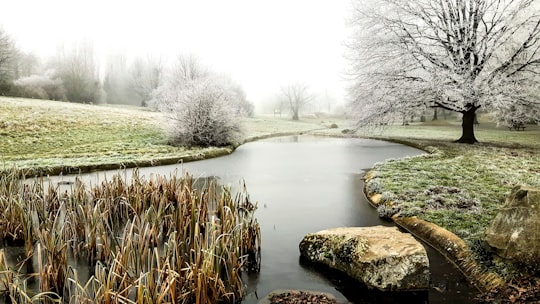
(449, 245)
(212, 152)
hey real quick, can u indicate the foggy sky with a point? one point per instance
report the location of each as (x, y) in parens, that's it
(261, 44)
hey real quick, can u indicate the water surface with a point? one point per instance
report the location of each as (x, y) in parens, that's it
(304, 184)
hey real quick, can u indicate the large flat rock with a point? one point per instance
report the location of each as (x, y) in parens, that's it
(380, 257)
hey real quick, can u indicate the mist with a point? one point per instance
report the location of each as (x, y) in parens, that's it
(260, 45)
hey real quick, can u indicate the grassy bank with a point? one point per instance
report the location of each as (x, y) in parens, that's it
(458, 187)
(50, 135)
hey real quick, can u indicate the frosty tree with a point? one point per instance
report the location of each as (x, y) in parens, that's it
(77, 66)
(460, 55)
(201, 105)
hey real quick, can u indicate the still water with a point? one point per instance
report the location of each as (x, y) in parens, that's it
(305, 184)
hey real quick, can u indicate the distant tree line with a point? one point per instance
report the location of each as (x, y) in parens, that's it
(76, 74)
(71, 75)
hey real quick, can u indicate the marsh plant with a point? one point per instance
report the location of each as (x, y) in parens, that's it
(157, 240)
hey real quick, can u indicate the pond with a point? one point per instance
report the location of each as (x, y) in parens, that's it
(305, 184)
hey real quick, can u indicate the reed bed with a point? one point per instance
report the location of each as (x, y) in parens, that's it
(156, 240)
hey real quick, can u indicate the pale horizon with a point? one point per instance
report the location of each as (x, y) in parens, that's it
(263, 45)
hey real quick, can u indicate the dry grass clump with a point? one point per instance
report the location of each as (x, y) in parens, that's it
(161, 240)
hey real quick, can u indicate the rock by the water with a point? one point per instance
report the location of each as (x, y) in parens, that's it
(298, 297)
(515, 231)
(380, 257)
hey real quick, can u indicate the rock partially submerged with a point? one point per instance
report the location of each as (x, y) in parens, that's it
(298, 297)
(515, 231)
(380, 257)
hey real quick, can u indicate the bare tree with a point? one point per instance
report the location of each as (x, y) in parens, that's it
(459, 55)
(146, 76)
(297, 96)
(78, 68)
(8, 53)
(118, 81)
(189, 67)
(27, 64)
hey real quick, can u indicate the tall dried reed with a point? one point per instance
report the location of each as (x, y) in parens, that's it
(156, 240)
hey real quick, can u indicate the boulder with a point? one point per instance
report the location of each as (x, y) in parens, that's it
(380, 257)
(515, 232)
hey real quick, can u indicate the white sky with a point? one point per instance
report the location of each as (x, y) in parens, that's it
(262, 44)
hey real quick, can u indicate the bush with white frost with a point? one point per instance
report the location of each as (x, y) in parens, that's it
(201, 112)
(45, 86)
(204, 108)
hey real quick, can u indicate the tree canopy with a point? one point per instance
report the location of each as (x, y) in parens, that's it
(460, 55)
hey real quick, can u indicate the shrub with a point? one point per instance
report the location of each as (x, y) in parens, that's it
(201, 112)
(40, 86)
(373, 186)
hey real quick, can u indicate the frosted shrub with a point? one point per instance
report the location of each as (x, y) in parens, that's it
(411, 211)
(387, 197)
(201, 112)
(40, 86)
(204, 108)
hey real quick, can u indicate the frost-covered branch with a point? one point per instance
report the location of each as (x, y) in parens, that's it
(456, 54)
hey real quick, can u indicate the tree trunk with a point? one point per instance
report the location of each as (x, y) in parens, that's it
(435, 114)
(467, 126)
(295, 115)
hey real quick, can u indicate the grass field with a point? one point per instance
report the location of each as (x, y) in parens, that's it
(50, 135)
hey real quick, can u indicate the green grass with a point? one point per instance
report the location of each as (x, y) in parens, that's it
(50, 135)
(487, 132)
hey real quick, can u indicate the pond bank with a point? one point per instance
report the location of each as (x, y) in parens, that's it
(448, 245)
(190, 156)
(420, 196)
(199, 155)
